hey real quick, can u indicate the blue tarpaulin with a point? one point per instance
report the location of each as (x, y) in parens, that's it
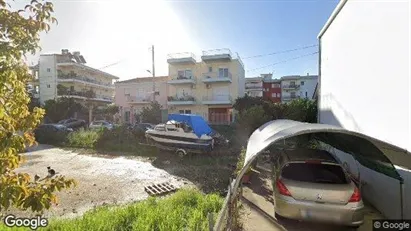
(196, 122)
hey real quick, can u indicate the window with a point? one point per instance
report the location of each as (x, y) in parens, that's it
(292, 83)
(278, 95)
(160, 128)
(48, 70)
(181, 111)
(187, 112)
(275, 85)
(180, 74)
(315, 173)
(210, 69)
(188, 74)
(302, 83)
(273, 95)
(292, 94)
(223, 72)
(306, 95)
(48, 85)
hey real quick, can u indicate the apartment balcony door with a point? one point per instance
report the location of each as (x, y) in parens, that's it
(223, 72)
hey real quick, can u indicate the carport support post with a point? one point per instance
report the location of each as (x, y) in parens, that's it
(401, 197)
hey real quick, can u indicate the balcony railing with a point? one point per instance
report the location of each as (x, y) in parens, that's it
(74, 76)
(138, 99)
(183, 55)
(84, 94)
(290, 86)
(182, 79)
(181, 98)
(291, 97)
(216, 77)
(217, 99)
(253, 86)
(223, 51)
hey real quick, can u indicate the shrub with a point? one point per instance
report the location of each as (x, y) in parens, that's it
(118, 139)
(83, 138)
(52, 138)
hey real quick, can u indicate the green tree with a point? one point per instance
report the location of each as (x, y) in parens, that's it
(62, 108)
(303, 110)
(246, 102)
(19, 34)
(251, 119)
(152, 114)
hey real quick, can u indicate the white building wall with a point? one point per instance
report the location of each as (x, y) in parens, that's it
(308, 88)
(365, 85)
(47, 78)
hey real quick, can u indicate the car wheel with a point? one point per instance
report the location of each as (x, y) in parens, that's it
(181, 153)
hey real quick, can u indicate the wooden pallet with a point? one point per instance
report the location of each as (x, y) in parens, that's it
(160, 189)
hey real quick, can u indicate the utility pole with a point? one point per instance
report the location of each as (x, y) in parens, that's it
(154, 74)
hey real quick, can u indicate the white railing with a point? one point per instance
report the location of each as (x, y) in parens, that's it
(182, 55)
(183, 78)
(138, 99)
(217, 98)
(224, 51)
(253, 85)
(181, 98)
(209, 75)
(290, 86)
(84, 80)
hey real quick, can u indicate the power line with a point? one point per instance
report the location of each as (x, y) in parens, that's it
(281, 52)
(112, 64)
(284, 61)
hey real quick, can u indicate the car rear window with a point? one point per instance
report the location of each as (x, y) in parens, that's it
(315, 173)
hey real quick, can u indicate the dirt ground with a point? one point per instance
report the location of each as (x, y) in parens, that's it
(258, 209)
(119, 178)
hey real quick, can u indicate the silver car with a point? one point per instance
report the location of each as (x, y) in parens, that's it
(310, 185)
(101, 124)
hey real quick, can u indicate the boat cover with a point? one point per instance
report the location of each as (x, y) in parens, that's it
(196, 122)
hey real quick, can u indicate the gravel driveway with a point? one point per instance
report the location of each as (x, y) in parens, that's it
(101, 180)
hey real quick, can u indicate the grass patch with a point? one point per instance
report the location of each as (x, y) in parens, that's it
(187, 209)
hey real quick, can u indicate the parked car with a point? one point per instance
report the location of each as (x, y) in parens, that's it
(74, 123)
(51, 133)
(101, 124)
(311, 185)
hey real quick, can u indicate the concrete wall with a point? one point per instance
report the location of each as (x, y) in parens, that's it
(365, 85)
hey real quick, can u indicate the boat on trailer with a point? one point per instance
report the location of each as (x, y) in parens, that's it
(183, 133)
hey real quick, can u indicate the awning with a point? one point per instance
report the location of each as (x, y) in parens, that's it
(367, 150)
(372, 153)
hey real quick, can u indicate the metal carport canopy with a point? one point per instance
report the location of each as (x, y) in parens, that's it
(370, 152)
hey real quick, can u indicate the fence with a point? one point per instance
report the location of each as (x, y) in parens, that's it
(227, 217)
(218, 118)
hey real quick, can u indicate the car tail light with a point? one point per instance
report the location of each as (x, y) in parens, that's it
(282, 189)
(356, 196)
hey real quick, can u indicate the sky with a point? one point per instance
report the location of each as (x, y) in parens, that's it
(121, 32)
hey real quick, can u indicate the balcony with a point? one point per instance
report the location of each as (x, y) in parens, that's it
(255, 87)
(73, 77)
(217, 99)
(214, 77)
(182, 80)
(290, 86)
(184, 100)
(290, 98)
(217, 54)
(138, 99)
(180, 58)
(84, 95)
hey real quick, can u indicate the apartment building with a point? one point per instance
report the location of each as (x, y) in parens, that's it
(66, 75)
(254, 87)
(272, 88)
(208, 86)
(296, 86)
(134, 94)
